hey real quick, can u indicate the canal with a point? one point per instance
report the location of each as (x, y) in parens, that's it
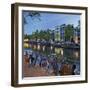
(66, 55)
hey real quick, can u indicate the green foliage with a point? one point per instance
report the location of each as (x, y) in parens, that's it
(46, 34)
(69, 32)
(33, 15)
(26, 36)
(41, 35)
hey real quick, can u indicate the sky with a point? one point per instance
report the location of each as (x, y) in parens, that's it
(48, 21)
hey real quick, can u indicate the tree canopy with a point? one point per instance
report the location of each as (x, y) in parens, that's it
(69, 32)
(33, 15)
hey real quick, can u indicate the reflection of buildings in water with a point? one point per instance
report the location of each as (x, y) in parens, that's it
(76, 54)
(51, 47)
(59, 51)
(38, 47)
(35, 47)
(62, 52)
(43, 48)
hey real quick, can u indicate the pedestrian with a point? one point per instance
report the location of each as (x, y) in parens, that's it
(31, 59)
(73, 68)
(55, 67)
(38, 60)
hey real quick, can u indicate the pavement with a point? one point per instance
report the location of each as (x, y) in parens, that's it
(34, 71)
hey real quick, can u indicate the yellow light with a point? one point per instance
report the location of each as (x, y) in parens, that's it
(51, 47)
(26, 40)
(38, 47)
(76, 54)
(26, 45)
(59, 51)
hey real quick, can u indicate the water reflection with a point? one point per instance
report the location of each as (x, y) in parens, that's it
(76, 53)
(35, 47)
(43, 48)
(58, 54)
(59, 51)
(71, 54)
(51, 47)
(38, 47)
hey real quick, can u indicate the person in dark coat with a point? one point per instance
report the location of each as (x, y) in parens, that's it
(73, 69)
(32, 59)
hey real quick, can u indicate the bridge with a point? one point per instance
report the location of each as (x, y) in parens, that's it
(55, 44)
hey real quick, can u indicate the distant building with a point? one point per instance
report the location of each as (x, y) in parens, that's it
(77, 33)
(52, 35)
(62, 32)
(58, 34)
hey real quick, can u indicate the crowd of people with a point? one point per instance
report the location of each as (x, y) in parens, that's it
(49, 63)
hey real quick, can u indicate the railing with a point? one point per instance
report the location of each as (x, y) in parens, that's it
(55, 44)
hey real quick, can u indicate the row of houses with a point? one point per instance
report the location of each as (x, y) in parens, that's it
(59, 34)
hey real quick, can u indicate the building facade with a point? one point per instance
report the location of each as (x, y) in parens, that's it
(77, 34)
(58, 35)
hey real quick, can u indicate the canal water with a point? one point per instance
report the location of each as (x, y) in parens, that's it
(70, 56)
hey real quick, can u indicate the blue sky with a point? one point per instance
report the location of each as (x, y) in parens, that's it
(49, 21)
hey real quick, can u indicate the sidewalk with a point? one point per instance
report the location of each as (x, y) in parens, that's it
(34, 71)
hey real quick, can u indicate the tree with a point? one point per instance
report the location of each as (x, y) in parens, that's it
(26, 36)
(41, 35)
(35, 35)
(33, 15)
(44, 35)
(69, 32)
(47, 35)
